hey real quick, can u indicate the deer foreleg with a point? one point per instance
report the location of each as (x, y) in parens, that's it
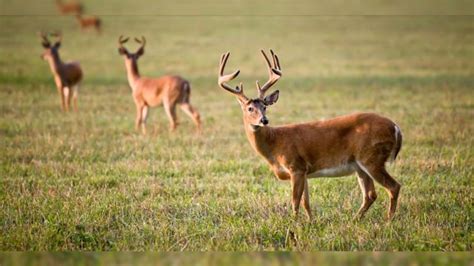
(144, 112)
(138, 118)
(63, 99)
(67, 95)
(306, 199)
(297, 186)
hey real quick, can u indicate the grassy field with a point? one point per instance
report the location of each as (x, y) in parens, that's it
(88, 181)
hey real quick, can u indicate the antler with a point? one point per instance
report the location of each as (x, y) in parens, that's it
(239, 90)
(142, 41)
(274, 73)
(44, 39)
(58, 35)
(121, 41)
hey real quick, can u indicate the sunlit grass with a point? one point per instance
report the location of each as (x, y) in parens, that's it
(88, 181)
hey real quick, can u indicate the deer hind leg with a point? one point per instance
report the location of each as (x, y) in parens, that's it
(368, 192)
(379, 174)
(170, 109)
(192, 113)
(74, 96)
(297, 186)
(305, 199)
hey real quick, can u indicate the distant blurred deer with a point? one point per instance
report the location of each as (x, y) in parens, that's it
(89, 22)
(169, 91)
(67, 76)
(72, 7)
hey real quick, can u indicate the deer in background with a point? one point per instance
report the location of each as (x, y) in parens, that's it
(169, 91)
(67, 76)
(361, 142)
(72, 7)
(89, 22)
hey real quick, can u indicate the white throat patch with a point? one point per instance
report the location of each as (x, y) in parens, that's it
(253, 128)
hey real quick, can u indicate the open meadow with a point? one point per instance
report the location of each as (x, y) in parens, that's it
(89, 181)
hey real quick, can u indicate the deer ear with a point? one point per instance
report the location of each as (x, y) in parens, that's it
(140, 51)
(121, 51)
(272, 98)
(45, 44)
(57, 44)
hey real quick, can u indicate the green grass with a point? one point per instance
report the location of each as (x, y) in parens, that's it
(88, 181)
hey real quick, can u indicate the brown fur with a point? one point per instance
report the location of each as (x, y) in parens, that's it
(71, 7)
(89, 22)
(169, 91)
(67, 76)
(361, 143)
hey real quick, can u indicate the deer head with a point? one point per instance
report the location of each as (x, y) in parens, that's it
(50, 50)
(124, 51)
(254, 110)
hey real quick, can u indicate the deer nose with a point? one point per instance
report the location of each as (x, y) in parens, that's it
(264, 121)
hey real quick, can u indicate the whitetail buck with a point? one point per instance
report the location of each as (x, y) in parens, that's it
(150, 92)
(361, 143)
(89, 22)
(71, 7)
(67, 76)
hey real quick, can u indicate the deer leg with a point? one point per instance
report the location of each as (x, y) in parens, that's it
(74, 96)
(379, 174)
(138, 118)
(63, 99)
(66, 98)
(368, 193)
(306, 199)
(170, 110)
(192, 113)
(297, 186)
(144, 115)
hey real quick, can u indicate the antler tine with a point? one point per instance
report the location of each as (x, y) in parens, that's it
(121, 40)
(276, 61)
(58, 35)
(43, 36)
(44, 39)
(142, 41)
(239, 90)
(274, 73)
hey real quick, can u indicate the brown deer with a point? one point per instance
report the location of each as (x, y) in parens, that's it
(67, 76)
(150, 92)
(89, 22)
(361, 142)
(72, 7)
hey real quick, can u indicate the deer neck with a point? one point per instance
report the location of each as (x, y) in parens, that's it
(132, 73)
(261, 139)
(55, 64)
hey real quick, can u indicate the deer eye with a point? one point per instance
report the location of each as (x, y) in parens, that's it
(250, 109)
(264, 108)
